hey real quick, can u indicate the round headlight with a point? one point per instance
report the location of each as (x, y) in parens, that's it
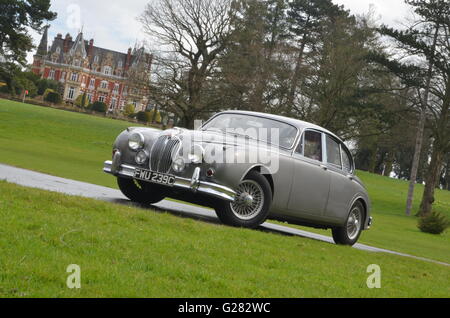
(197, 154)
(141, 157)
(136, 141)
(178, 165)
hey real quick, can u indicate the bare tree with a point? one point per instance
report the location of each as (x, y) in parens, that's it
(194, 32)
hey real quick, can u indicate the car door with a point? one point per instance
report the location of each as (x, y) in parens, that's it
(311, 180)
(342, 190)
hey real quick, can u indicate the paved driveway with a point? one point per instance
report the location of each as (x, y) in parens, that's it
(46, 182)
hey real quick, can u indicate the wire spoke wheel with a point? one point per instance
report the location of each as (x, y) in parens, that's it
(249, 200)
(354, 223)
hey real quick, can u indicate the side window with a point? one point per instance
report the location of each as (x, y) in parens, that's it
(333, 152)
(346, 162)
(313, 145)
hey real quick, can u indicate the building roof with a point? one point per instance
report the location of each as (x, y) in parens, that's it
(67, 47)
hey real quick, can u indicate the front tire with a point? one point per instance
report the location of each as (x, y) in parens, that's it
(140, 192)
(350, 233)
(251, 206)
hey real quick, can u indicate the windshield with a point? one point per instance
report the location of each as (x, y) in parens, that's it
(264, 129)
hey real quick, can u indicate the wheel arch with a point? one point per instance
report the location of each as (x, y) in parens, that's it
(363, 202)
(265, 173)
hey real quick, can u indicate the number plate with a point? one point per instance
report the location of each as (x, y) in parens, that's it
(154, 177)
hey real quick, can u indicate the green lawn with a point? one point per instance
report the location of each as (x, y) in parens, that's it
(73, 145)
(58, 142)
(131, 252)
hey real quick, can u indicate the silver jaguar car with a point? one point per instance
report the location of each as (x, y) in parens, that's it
(248, 167)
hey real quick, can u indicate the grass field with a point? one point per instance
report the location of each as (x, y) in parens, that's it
(73, 145)
(61, 143)
(131, 252)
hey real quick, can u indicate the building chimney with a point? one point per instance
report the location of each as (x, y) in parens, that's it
(91, 47)
(127, 63)
(67, 41)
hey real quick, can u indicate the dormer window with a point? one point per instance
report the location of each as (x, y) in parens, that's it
(58, 50)
(96, 59)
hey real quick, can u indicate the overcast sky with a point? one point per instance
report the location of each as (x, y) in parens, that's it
(114, 23)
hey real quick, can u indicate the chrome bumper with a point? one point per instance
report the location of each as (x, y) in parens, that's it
(194, 184)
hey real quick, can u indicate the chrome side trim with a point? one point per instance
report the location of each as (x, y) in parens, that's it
(193, 184)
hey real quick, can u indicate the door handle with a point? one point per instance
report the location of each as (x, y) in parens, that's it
(351, 177)
(324, 167)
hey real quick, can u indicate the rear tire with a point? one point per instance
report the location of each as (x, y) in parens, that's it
(252, 204)
(140, 192)
(349, 234)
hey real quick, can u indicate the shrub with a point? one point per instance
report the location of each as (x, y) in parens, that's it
(44, 84)
(142, 117)
(99, 107)
(53, 97)
(23, 84)
(150, 115)
(434, 223)
(82, 101)
(129, 110)
(47, 91)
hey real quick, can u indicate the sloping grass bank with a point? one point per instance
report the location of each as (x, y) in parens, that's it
(75, 146)
(131, 252)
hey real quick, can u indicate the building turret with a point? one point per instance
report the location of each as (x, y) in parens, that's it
(43, 45)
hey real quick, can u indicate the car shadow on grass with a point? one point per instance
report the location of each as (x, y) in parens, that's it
(202, 217)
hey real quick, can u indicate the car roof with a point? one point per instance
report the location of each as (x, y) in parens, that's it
(294, 122)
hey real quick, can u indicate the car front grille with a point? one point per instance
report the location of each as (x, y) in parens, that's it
(162, 153)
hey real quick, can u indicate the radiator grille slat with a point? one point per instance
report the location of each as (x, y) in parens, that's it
(162, 153)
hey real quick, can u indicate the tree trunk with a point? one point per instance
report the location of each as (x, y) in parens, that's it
(420, 132)
(155, 112)
(389, 163)
(296, 76)
(373, 160)
(431, 181)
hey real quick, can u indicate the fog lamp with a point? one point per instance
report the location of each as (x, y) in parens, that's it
(141, 157)
(178, 165)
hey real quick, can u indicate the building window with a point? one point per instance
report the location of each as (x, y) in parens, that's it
(113, 102)
(104, 85)
(101, 98)
(96, 59)
(71, 94)
(120, 64)
(63, 77)
(92, 83)
(107, 70)
(116, 88)
(58, 50)
(89, 97)
(74, 77)
(76, 62)
(51, 74)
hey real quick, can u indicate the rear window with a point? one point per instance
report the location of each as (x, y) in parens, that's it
(346, 161)
(333, 152)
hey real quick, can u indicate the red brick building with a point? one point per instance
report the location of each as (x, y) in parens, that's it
(114, 78)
